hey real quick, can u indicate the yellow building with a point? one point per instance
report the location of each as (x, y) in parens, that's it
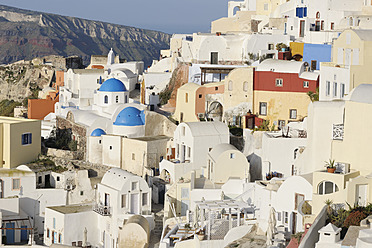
(20, 141)
(266, 7)
(297, 48)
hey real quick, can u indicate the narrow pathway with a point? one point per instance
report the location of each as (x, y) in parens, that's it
(158, 210)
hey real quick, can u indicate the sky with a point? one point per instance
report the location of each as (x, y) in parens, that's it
(170, 16)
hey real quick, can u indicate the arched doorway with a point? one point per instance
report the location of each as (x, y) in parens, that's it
(215, 111)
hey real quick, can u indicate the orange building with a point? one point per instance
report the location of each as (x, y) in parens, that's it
(39, 108)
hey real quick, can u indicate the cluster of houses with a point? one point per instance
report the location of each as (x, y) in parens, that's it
(292, 76)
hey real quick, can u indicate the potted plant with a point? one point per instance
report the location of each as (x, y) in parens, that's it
(201, 235)
(330, 166)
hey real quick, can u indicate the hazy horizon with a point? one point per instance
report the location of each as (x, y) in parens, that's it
(169, 16)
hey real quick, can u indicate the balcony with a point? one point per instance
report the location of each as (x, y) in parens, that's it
(102, 210)
(338, 131)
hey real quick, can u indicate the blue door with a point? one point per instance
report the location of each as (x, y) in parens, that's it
(24, 234)
(9, 233)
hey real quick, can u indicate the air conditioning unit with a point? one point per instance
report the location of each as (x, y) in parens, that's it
(342, 168)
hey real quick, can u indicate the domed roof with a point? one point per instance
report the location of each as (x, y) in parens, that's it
(97, 132)
(130, 116)
(112, 85)
(362, 93)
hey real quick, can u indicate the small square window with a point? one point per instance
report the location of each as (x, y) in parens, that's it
(16, 184)
(306, 84)
(99, 141)
(293, 114)
(110, 147)
(26, 138)
(281, 124)
(81, 192)
(216, 88)
(133, 156)
(232, 155)
(200, 96)
(279, 82)
(58, 179)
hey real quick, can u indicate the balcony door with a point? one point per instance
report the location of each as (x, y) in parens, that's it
(302, 28)
(107, 200)
(361, 194)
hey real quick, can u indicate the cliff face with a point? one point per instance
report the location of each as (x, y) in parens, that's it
(27, 34)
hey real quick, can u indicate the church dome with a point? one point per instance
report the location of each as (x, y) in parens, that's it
(130, 116)
(112, 85)
(97, 132)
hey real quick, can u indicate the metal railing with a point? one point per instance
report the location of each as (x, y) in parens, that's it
(338, 131)
(102, 210)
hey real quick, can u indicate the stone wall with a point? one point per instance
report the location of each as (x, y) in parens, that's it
(78, 132)
(75, 155)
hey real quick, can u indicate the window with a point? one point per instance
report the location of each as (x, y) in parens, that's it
(317, 15)
(189, 152)
(47, 231)
(186, 97)
(348, 38)
(281, 124)
(134, 185)
(279, 82)
(306, 84)
(270, 46)
(279, 216)
(110, 147)
(54, 223)
(245, 86)
(298, 199)
(99, 141)
(81, 193)
(332, 26)
(133, 156)
(117, 99)
(26, 138)
(285, 217)
(123, 201)
(293, 114)
(200, 96)
(16, 184)
(266, 6)
(40, 179)
(342, 90)
(232, 155)
(58, 179)
(183, 131)
(313, 65)
(328, 88)
(144, 199)
(230, 86)
(263, 108)
(327, 187)
(60, 238)
(214, 58)
(106, 99)
(334, 89)
(215, 88)
(322, 25)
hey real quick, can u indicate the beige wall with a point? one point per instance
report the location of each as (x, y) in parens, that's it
(238, 77)
(225, 167)
(14, 153)
(357, 138)
(139, 156)
(340, 196)
(272, 5)
(239, 23)
(280, 103)
(361, 73)
(186, 103)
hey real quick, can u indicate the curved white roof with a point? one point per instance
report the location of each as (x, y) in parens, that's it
(308, 75)
(284, 66)
(207, 128)
(116, 178)
(85, 117)
(221, 148)
(362, 94)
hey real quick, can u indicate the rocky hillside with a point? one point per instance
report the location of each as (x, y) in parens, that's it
(27, 34)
